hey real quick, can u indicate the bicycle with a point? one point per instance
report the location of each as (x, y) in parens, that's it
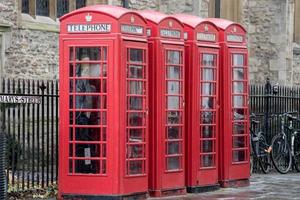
(285, 152)
(260, 150)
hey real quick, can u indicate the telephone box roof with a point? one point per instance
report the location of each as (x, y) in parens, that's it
(190, 20)
(223, 23)
(113, 11)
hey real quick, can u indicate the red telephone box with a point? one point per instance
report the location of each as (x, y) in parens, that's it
(103, 103)
(166, 77)
(202, 72)
(234, 120)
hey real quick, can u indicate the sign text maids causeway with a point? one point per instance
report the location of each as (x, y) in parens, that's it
(20, 99)
(89, 28)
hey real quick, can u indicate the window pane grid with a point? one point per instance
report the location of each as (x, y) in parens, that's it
(174, 110)
(135, 113)
(88, 111)
(208, 110)
(239, 89)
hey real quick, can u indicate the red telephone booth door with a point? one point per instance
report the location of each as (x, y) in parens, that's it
(85, 108)
(136, 118)
(208, 137)
(238, 73)
(173, 136)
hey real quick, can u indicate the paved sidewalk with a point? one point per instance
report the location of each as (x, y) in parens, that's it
(269, 187)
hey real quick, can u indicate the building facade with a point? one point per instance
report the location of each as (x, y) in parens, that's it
(29, 33)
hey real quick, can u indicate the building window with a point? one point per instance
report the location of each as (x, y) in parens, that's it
(62, 7)
(25, 6)
(80, 3)
(230, 10)
(42, 7)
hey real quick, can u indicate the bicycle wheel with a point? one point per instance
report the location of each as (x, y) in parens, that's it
(264, 159)
(281, 154)
(297, 152)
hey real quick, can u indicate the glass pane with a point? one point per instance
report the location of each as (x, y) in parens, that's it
(87, 150)
(87, 118)
(104, 53)
(207, 161)
(87, 166)
(208, 88)
(87, 102)
(71, 101)
(42, 7)
(25, 6)
(71, 117)
(238, 87)
(71, 84)
(207, 117)
(136, 119)
(135, 103)
(62, 7)
(173, 102)
(103, 150)
(207, 103)
(135, 135)
(80, 3)
(174, 117)
(207, 146)
(173, 132)
(104, 134)
(104, 70)
(173, 87)
(135, 151)
(239, 114)
(238, 60)
(136, 55)
(238, 74)
(70, 166)
(88, 53)
(136, 167)
(208, 74)
(238, 156)
(71, 72)
(239, 142)
(135, 71)
(173, 72)
(87, 134)
(104, 101)
(88, 86)
(238, 101)
(238, 128)
(173, 148)
(70, 150)
(103, 166)
(88, 70)
(208, 60)
(173, 163)
(173, 57)
(207, 131)
(135, 87)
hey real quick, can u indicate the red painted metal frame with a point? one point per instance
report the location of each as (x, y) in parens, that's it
(163, 181)
(233, 172)
(198, 176)
(114, 180)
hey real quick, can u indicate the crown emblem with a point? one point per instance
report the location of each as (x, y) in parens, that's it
(132, 19)
(88, 17)
(205, 28)
(234, 29)
(170, 23)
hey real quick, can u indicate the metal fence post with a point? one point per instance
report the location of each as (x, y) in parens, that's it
(3, 185)
(267, 97)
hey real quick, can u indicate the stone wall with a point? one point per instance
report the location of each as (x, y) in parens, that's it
(29, 54)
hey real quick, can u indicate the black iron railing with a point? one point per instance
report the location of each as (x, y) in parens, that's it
(32, 134)
(269, 101)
